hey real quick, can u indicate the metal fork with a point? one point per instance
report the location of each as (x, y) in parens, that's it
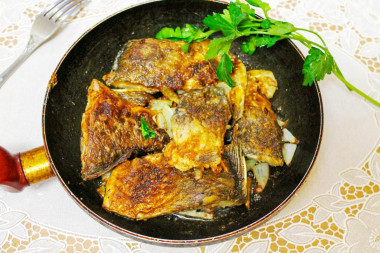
(45, 25)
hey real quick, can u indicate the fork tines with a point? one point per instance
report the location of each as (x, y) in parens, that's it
(62, 9)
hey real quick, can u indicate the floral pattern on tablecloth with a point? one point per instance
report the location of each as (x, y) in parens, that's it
(345, 219)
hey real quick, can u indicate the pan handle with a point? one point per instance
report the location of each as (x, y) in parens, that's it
(23, 169)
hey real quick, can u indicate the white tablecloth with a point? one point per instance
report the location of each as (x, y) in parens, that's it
(336, 210)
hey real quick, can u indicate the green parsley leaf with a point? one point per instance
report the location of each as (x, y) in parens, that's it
(145, 131)
(218, 46)
(236, 14)
(185, 33)
(227, 22)
(269, 41)
(219, 23)
(189, 33)
(185, 47)
(279, 27)
(249, 46)
(246, 9)
(170, 33)
(317, 64)
(266, 23)
(258, 3)
(224, 69)
(253, 42)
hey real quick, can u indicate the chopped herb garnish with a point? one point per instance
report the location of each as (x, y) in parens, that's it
(239, 20)
(145, 130)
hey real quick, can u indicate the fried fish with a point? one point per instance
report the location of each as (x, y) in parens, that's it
(198, 127)
(111, 131)
(258, 132)
(162, 63)
(149, 187)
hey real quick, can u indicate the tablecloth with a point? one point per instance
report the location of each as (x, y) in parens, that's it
(337, 209)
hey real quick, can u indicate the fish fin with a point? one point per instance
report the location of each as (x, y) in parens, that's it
(234, 155)
(103, 171)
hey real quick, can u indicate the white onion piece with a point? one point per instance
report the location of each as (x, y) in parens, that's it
(250, 163)
(261, 172)
(164, 114)
(160, 120)
(288, 137)
(197, 214)
(158, 104)
(281, 123)
(224, 86)
(288, 150)
(106, 176)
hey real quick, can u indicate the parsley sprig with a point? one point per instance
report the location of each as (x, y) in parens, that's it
(239, 20)
(145, 130)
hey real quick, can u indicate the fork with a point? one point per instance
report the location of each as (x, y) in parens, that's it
(45, 25)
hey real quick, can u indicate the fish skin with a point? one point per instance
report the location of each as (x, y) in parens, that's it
(136, 97)
(149, 187)
(198, 125)
(163, 65)
(158, 63)
(258, 132)
(111, 131)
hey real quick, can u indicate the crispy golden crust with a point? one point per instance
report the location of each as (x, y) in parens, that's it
(111, 131)
(257, 131)
(198, 125)
(158, 63)
(148, 187)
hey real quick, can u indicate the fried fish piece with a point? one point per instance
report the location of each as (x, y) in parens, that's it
(111, 131)
(149, 187)
(198, 127)
(135, 97)
(135, 93)
(258, 132)
(162, 63)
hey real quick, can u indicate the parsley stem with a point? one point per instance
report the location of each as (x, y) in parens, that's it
(340, 76)
(292, 36)
(316, 34)
(249, 25)
(306, 44)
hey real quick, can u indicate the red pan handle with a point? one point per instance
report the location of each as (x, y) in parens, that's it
(23, 169)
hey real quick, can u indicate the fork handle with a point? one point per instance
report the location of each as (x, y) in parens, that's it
(33, 43)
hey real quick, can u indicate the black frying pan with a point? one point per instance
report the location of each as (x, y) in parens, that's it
(92, 57)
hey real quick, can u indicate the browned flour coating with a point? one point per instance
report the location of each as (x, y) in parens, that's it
(258, 132)
(199, 125)
(148, 187)
(111, 131)
(158, 63)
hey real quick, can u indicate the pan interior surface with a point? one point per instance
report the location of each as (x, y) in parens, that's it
(92, 57)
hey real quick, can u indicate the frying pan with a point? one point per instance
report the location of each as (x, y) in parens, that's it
(92, 56)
